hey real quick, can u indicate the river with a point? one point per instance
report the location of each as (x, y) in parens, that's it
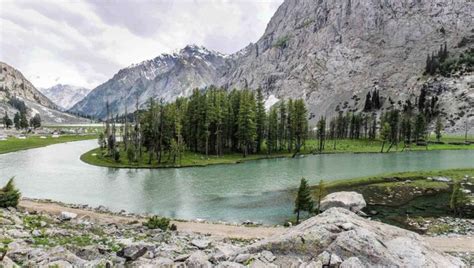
(254, 190)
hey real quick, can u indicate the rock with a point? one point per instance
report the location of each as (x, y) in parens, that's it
(347, 226)
(132, 253)
(312, 264)
(163, 262)
(373, 212)
(229, 264)
(59, 264)
(7, 263)
(181, 257)
(349, 200)
(268, 256)
(242, 258)
(200, 243)
(198, 260)
(260, 264)
(15, 233)
(36, 233)
(374, 243)
(335, 261)
(442, 179)
(352, 262)
(324, 258)
(223, 253)
(66, 216)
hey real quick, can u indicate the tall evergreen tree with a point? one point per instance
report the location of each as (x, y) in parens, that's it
(272, 137)
(300, 123)
(261, 119)
(247, 129)
(303, 200)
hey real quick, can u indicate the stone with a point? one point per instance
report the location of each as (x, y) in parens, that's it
(15, 233)
(36, 233)
(132, 253)
(229, 264)
(442, 179)
(59, 264)
(352, 262)
(66, 216)
(349, 200)
(181, 257)
(198, 260)
(268, 256)
(242, 258)
(312, 264)
(335, 261)
(200, 243)
(373, 242)
(223, 252)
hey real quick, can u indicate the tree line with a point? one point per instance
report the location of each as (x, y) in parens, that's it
(20, 120)
(210, 122)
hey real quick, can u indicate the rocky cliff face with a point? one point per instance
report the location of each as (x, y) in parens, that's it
(327, 52)
(166, 77)
(65, 96)
(14, 85)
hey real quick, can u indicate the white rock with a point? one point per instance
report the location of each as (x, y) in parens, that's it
(66, 216)
(349, 200)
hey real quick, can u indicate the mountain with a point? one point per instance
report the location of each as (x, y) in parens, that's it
(167, 76)
(65, 96)
(13, 85)
(329, 52)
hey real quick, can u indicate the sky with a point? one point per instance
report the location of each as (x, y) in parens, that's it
(84, 43)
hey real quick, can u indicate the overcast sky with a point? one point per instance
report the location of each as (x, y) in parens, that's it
(85, 43)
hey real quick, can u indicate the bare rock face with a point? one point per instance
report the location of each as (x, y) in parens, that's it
(165, 77)
(349, 200)
(322, 238)
(14, 85)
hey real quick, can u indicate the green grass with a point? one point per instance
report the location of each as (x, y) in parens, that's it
(13, 144)
(97, 156)
(390, 179)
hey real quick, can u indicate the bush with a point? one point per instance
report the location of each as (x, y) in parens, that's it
(173, 227)
(156, 222)
(9, 195)
(282, 42)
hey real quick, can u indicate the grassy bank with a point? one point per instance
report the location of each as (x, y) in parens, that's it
(97, 156)
(13, 144)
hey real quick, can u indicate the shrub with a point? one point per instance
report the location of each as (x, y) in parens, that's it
(9, 195)
(282, 42)
(156, 222)
(173, 227)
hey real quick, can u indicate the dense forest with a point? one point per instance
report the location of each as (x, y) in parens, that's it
(210, 122)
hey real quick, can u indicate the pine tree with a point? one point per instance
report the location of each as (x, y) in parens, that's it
(299, 123)
(16, 120)
(272, 137)
(321, 133)
(36, 121)
(261, 119)
(7, 122)
(303, 200)
(420, 127)
(384, 134)
(368, 102)
(438, 129)
(247, 129)
(282, 131)
(9, 195)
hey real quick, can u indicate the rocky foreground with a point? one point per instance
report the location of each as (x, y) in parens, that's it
(335, 238)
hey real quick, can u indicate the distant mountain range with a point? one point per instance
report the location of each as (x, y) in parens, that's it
(65, 96)
(329, 52)
(14, 85)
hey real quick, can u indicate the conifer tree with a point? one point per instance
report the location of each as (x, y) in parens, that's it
(438, 129)
(282, 126)
(320, 193)
(368, 102)
(272, 137)
(261, 118)
(303, 200)
(299, 123)
(247, 129)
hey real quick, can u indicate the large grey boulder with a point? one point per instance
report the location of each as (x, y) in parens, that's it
(323, 238)
(349, 200)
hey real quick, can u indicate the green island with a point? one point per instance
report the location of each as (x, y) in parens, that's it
(14, 144)
(98, 156)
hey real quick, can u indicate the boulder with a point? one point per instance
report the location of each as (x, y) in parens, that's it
(352, 262)
(349, 200)
(198, 260)
(322, 238)
(200, 243)
(66, 216)
(132, 253)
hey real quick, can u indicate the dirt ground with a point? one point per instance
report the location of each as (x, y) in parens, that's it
(447, 244)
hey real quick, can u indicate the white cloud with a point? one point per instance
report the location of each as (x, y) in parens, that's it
(85, 43)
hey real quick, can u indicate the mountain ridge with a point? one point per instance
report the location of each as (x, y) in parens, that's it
(65, 96)
(331, 53)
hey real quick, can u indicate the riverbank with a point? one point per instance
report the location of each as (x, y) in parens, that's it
(13, 144)
(98, 156)
(49, 234)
